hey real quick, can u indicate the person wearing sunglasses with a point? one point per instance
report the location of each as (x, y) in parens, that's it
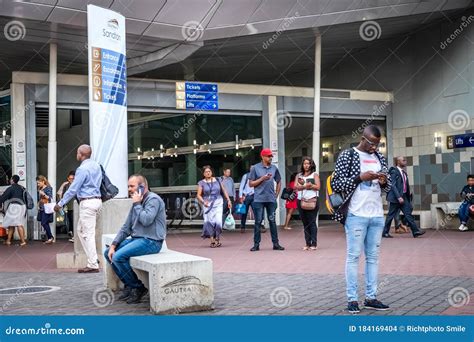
(362, 174)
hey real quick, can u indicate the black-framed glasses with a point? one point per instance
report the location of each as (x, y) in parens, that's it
(370, 142)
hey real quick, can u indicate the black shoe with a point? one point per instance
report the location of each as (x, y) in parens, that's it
(278, 248)
(387, 235)
(353, 307)
(375, 305)
(255, 248)
(137, 295)
(418, 233)
(127, 291)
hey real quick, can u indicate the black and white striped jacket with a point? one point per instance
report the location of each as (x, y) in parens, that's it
(346, 179)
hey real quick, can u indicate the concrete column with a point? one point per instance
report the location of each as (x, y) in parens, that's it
(18, 136)
(31, 170)
(273, 134)
(191, 167)
(317, 101)
(52, 143)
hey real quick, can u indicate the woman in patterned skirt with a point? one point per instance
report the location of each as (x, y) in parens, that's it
(209, 194)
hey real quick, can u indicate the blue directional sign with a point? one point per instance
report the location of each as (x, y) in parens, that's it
(461, 140)
(197, 96)
(109, 77)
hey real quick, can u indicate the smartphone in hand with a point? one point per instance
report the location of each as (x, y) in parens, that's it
(141, 189)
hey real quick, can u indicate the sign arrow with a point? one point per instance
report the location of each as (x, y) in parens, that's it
(471, 140)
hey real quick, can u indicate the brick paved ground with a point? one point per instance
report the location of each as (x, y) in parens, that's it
(416, 276)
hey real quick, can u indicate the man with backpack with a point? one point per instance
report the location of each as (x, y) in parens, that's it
(86, 187)
(361, 175)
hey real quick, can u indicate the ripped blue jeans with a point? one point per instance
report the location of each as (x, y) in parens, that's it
(362, 233)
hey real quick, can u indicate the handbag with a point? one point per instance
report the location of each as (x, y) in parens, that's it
(288, 194)
(309, 204)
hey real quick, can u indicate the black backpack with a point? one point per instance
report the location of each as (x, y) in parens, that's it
(107, 189)
(30, 204)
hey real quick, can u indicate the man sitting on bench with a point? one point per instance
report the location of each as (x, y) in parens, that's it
(146, 225)
(467, 195)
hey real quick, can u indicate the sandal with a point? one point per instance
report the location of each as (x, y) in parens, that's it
(218, 244)
(305, 248)
(22, 244)
(313, 248)
(213, 245)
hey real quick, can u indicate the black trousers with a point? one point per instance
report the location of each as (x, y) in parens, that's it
(70, 220)
(406, 208)
(309, 222)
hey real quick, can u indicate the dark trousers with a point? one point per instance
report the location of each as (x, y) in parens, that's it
(226, 210)
(406, 208)
(463, 212)
(258, 209)
(70, 220)
(309, 223)
(45, 219)
(248, 201)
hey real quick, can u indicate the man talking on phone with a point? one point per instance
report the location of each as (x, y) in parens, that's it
(146, 227)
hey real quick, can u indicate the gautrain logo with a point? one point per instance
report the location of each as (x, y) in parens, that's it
(183, 285)
(114, 25)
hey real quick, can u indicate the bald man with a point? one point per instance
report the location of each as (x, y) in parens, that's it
(86, 187)
(146, 227)
(399, 198)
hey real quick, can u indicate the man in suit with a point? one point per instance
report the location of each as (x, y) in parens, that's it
(399, 198)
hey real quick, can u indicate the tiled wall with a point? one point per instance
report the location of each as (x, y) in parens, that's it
(436, 173)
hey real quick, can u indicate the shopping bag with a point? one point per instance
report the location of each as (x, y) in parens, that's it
(241, 209)
(229, 223)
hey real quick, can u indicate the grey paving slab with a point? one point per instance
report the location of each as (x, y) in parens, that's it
(235, 294)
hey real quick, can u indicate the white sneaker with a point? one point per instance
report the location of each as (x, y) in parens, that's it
(463, 227)
(71, 240)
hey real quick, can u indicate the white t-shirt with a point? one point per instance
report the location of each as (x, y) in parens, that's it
(366, 200)
(306, 193)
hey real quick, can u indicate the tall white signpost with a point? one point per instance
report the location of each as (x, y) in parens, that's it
(108, 93)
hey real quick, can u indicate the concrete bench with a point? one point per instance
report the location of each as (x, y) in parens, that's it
(445, 215)
(177, 282)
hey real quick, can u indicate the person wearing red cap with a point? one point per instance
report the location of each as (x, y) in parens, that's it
(262, 178)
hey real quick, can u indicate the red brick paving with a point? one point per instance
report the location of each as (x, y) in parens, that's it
(443, 252)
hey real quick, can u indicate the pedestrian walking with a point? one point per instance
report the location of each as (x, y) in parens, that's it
(211, 194)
